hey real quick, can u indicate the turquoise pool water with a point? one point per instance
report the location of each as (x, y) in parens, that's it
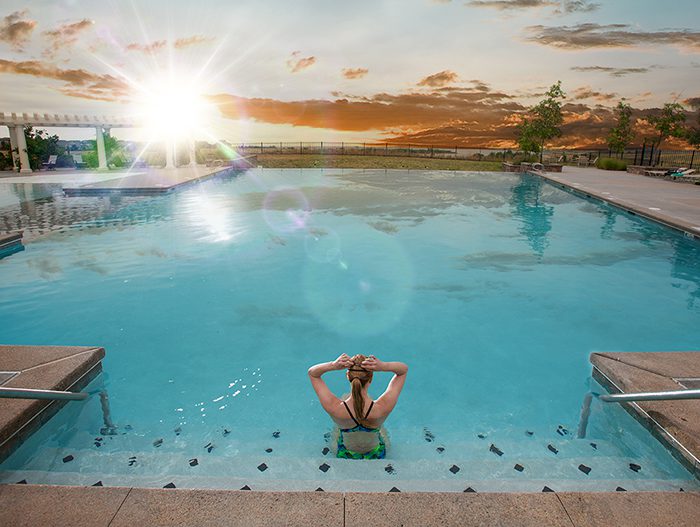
(213, 301)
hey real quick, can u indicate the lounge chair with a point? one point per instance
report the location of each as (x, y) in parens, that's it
(682, 173)
(657, 173)
(585, 160)
(78, 161)
(51, 163)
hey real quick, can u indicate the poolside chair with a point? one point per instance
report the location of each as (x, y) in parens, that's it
(682, 173)
(78, 160)
(584, 160)
(51, 163)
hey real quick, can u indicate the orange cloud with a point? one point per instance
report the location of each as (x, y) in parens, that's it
(194, 40)
(77, 82)
(586, 92)
(65, 35)
(296, 63)
(442, 78)
(482, 113)
(355, 73)
(150, 48)
(15, 29)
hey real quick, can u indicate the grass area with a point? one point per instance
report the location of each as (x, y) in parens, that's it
(340, 161)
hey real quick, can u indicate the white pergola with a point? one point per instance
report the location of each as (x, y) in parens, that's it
(18, 142)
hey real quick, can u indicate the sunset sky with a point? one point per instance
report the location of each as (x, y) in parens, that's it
(441, 72)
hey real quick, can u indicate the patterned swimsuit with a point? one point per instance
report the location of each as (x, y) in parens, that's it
(378, 452)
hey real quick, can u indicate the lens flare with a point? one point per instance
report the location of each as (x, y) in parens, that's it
(286, 210)
(365, 290)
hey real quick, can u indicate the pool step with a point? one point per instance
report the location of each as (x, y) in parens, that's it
(71, 466)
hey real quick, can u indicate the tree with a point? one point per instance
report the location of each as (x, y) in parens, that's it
(40, 145)
(621, 134)
(692, 134)
(669, 123)
(114, 151)
(543, 122)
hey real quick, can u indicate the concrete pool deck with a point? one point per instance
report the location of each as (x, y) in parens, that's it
(31, 505)
(137, 181)
(675, 423)
(674, 204)
(66, 368)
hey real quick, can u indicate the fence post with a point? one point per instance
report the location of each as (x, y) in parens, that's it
(386, 149)
(364, 149)
(261, 147)
(692, 159)
(409, 149)
(455, 151)
(321, 148)
(300, 148)
(432, 152)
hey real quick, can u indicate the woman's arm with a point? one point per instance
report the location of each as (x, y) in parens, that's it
(388, 399)
(329, 401)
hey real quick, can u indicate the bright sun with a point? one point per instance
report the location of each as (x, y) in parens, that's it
(172, 109)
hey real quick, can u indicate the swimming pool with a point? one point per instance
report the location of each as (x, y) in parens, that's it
(213, 301)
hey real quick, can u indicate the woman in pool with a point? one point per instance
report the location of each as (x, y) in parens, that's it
(359, 434)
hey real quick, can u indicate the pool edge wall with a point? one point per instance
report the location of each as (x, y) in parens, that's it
(66, 368)
(675, 424)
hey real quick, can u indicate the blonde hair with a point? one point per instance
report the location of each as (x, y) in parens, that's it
(358, 377)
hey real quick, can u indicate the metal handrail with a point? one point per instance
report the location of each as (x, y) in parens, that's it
(30, 393)
(650, 396)
(674, 395)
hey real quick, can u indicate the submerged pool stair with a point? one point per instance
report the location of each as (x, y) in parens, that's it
(533, 465)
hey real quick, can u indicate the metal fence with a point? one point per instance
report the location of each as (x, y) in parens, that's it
(643, 155)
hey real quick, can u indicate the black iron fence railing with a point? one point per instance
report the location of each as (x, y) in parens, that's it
(643, 155)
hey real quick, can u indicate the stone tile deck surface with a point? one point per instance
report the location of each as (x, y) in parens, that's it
(651, 372)
(678, 204)
(51, 506)
(39, 367)
(148, 181)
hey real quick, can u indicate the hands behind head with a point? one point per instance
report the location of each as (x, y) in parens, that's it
(343, 362)
(371, 363)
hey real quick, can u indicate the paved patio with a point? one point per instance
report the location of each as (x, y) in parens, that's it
(675, 204)
(32, 505)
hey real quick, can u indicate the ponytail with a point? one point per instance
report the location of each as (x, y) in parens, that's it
(358, 403)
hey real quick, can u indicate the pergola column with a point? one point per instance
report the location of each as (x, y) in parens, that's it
(193, 154)
(101, 151)
(25, 168)
(169, 154)
(13, 146)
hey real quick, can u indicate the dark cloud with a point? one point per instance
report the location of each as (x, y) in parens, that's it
(511, 4)
(615, 72)
(441, 78)
(150, 48)
(77, 82)
(15, 29)
(576, 6)
(586, 92)
(296, 63)
(65, 35)
(584, 36)
(194, 40)
(355, 73)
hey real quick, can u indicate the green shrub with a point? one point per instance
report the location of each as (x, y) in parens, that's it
(608, 163)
